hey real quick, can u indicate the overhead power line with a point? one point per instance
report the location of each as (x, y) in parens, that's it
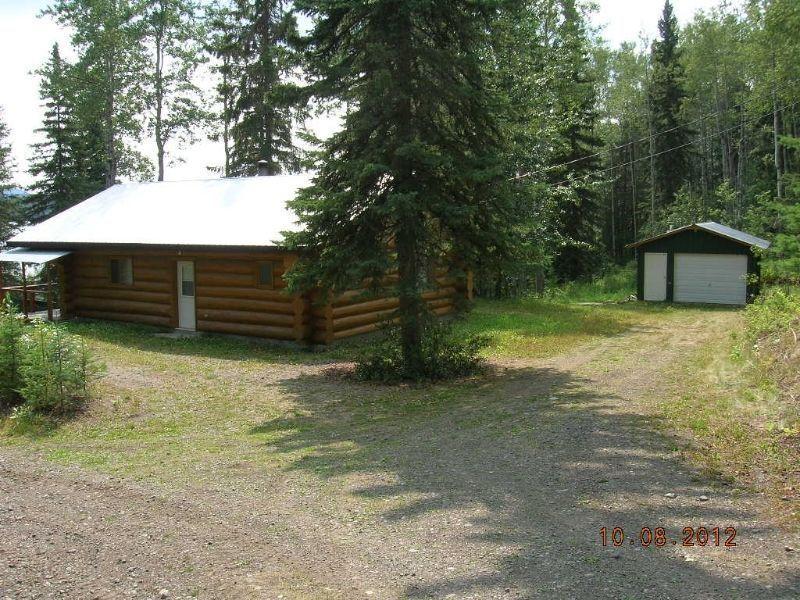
(645, 139)
(649, 156)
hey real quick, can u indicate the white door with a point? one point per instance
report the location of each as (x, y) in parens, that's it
(711, 278)
(655, 276)
(186, 312)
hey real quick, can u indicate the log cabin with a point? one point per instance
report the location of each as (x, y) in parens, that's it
(199, 256)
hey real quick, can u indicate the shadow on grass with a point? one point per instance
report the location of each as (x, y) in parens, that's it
(512, 480)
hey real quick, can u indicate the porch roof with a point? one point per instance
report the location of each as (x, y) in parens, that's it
(26, 255)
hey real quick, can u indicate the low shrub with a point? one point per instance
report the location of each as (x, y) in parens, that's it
(446, 355)
(43, 368)
(773, 340)
(11, 328)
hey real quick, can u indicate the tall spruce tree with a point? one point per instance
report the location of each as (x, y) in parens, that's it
(256, 45)
(666, 95)
(576, 105)
(8, 212)
(416, 170)
(66, 168)
(222, 45)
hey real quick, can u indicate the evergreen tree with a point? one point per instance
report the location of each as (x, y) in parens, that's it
(8, 211)
(174, 101)
(576, 106)
(109, 36)
(65, 171)
(666, 95)
(256, 45)
(416, 171)
(222, 40)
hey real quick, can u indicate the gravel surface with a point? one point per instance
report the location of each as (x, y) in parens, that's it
(501, 495)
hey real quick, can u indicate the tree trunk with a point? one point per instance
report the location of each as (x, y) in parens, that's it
(411, 308)
(409, 227)
(110, 129)
(613, 212)
(159, 85)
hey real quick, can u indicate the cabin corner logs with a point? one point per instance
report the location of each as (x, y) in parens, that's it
(228, 298)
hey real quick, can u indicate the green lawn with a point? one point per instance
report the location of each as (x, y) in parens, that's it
(170, 408)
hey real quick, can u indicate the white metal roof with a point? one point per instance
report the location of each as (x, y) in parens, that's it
(246, 211)
(713, 228)
(734, 234)
(27, 255)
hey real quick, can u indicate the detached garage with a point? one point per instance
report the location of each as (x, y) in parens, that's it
(705, 262)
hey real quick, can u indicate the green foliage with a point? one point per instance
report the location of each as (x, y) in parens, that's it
(11, 328)
(666, 95)
(68, 162)
(256, 45)
(109, 80)
(416, 172)
(774, 311)
(446, 354)
(9, 211)
(172, 32)
(54, 371)
(615, 284)
(42, 366)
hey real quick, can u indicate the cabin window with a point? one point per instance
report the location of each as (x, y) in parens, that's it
(121, 271)
(265, 276)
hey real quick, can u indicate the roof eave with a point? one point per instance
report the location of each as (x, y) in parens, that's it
(183, 247)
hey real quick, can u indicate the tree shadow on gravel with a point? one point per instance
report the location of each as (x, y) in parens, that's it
(503, 485)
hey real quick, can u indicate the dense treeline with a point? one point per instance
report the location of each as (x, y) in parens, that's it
(535, 154)
(703, 126)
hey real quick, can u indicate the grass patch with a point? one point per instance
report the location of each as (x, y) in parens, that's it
(617, 283)
(735, 416)
(535, 328)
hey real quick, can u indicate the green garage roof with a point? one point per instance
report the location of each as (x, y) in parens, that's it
(713, 228)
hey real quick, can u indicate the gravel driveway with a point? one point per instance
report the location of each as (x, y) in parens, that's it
(502, 494)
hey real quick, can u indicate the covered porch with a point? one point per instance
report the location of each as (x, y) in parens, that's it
(39, 293)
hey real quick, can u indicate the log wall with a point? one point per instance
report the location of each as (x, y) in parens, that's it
(227, 297)
(356, 313)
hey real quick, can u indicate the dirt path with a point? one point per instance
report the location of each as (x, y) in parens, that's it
(500, 495)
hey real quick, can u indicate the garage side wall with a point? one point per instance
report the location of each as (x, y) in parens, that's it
(693, 242)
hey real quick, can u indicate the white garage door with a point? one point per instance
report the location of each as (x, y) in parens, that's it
(711, 278)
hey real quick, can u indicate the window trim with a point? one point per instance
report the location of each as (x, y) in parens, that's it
(110, 271)
(265, 286)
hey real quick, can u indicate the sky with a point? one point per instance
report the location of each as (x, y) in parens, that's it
(26, 39)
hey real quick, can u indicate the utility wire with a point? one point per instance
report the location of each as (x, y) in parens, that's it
(643, 139)
(640, 159)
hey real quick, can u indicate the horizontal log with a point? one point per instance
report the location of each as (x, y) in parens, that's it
(362, 319)
(252, 293)
(340, 335)
(240, 316)
(124, 306)
(265, 331)
(139, 274)
(81, 283)
(129, 318)
(363, 307)
(241, 267)
(244, 304)
(126, 294)
(227, 280)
